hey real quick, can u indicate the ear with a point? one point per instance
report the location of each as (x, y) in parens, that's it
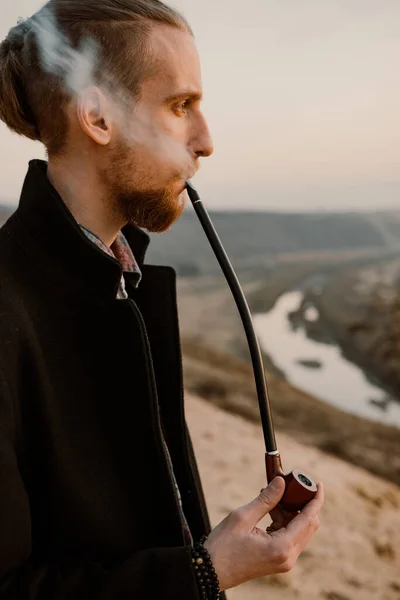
(94, 116)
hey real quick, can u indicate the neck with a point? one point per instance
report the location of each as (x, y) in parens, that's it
(86, 197)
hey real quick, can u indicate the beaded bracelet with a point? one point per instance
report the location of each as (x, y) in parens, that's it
(206, 576)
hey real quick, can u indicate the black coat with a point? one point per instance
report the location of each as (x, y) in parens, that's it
(88, 508)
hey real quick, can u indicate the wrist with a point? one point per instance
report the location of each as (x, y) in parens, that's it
(219, 568)
(206, 576)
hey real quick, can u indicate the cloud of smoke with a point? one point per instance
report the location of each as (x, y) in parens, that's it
(76, 68)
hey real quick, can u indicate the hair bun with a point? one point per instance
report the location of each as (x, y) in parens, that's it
(16, 36)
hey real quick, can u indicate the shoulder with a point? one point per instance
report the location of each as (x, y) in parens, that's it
(13, 269)
(9, 250)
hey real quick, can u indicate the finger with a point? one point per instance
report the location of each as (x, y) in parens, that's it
(266, 501)
(307, 519)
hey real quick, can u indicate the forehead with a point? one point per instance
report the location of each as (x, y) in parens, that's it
(177, 60)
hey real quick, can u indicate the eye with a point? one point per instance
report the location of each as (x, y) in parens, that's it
(182, 107)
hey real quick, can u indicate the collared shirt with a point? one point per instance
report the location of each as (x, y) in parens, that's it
(121, 250)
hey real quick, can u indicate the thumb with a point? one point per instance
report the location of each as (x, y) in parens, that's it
(267, 499)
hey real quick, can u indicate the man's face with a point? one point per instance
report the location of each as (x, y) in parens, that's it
(161, 145)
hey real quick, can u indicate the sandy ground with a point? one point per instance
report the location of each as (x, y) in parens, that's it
(356, 553)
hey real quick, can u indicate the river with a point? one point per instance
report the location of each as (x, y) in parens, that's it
(326, 373)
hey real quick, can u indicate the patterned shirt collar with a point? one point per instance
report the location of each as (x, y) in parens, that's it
(121, 251)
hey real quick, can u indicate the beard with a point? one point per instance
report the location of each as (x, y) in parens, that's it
(154, 211)
(136, 202)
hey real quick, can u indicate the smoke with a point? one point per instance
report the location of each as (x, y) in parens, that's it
(76, 68)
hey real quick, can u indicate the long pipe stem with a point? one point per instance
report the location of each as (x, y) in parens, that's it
(245, 314)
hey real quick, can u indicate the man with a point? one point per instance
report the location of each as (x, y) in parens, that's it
(100, 495)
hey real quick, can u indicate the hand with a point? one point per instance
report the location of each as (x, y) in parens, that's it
(240, 551)
(280, 518)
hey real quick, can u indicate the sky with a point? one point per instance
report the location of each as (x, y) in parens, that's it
(302, 98)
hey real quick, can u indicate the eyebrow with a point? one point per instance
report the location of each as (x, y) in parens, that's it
(184, 94)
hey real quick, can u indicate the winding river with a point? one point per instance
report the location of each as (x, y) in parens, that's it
(323, 371)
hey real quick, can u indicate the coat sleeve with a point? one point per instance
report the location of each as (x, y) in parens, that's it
(165, 573)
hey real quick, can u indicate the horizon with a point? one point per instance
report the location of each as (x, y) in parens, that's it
(10, 207)
(313, 124)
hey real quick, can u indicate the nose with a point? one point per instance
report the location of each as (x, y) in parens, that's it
(203, 144)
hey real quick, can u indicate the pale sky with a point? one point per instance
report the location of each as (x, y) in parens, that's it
(302, 98)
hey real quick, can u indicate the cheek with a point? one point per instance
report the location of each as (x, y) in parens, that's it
(168, 142)
(143, 169)
(161, 149)
(167, 160)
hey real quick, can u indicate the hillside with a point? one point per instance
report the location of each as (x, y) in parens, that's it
(252, 238)
(356, 553)
(360, 307)
(228, 383)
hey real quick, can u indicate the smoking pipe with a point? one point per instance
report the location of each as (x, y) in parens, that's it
(300, 488)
